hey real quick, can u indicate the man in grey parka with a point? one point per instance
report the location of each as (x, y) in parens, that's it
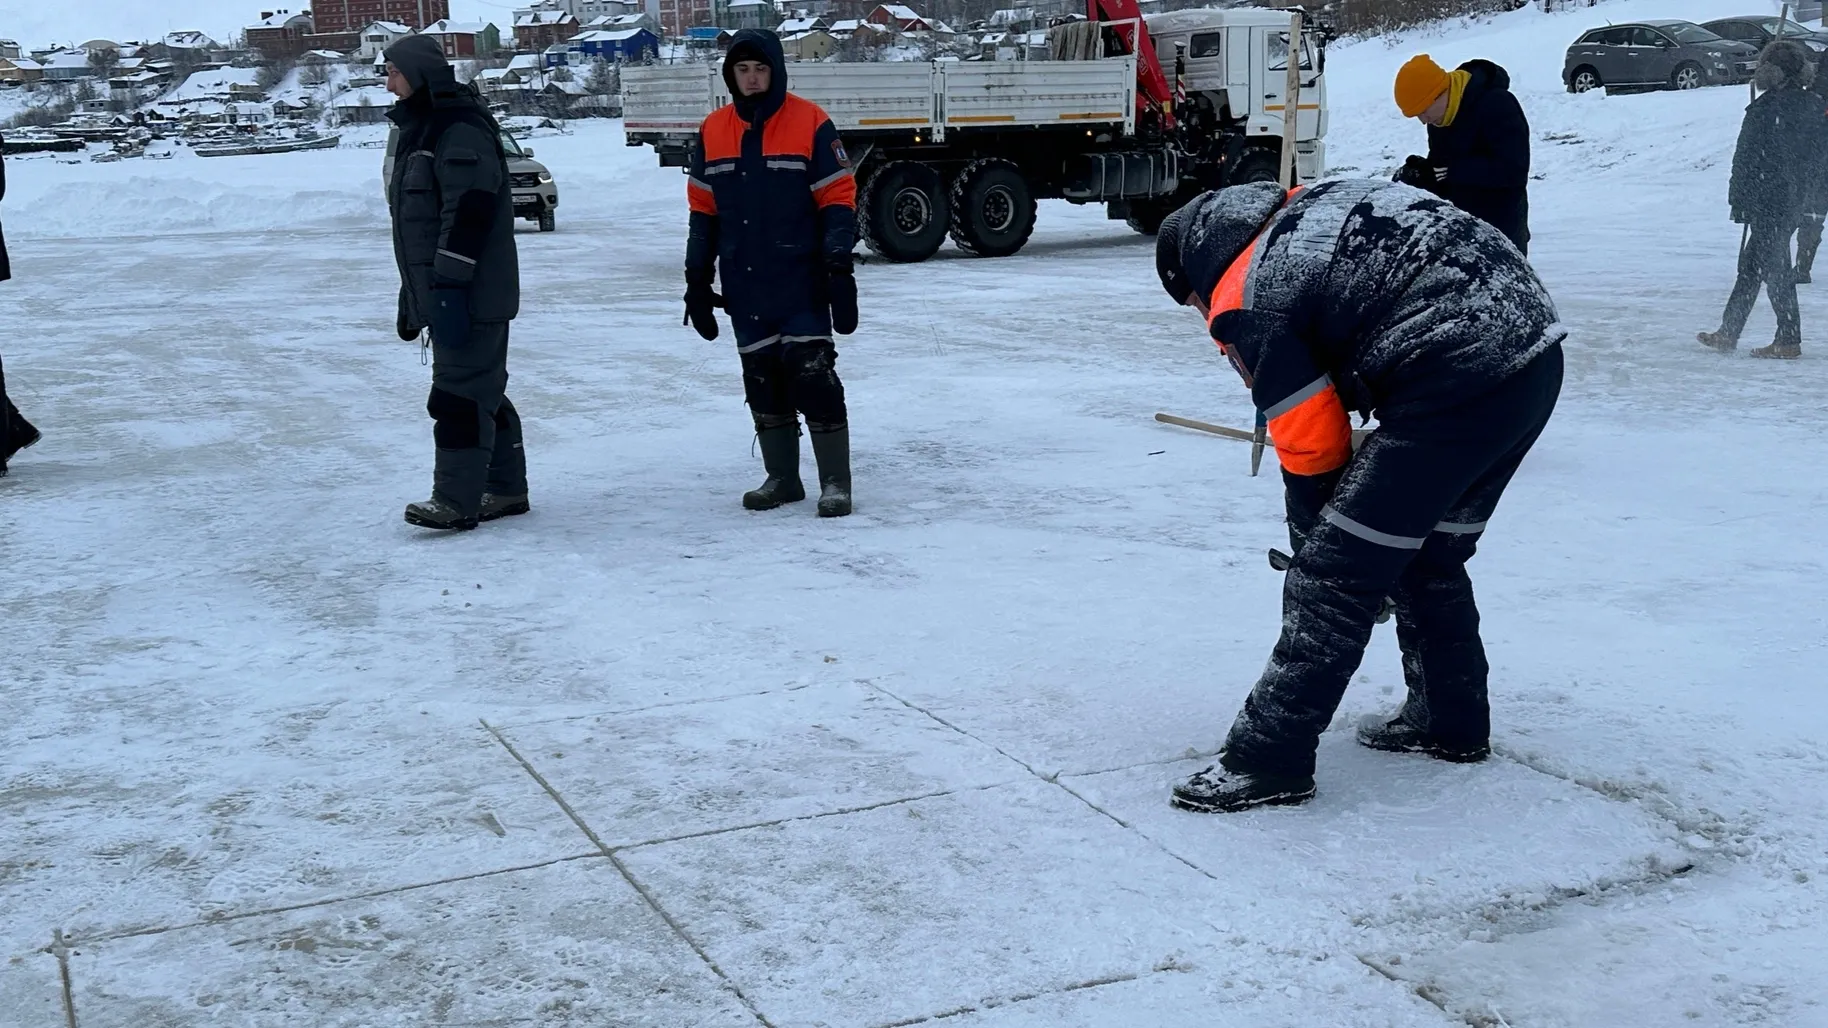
(453, 221)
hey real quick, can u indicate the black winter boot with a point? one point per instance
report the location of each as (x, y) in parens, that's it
(1397, 735)
(781, 457)
(436, 513)
(1220, 790)
(832, 448)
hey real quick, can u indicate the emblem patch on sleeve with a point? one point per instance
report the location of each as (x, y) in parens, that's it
(837, 150)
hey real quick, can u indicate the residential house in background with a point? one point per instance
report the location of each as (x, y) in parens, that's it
(536, 31)
(280, 35)
(795, 26)
(188, 43)
(622, 46)
(9, 49)
(748, 14)
(465, 39)
(352, 16)
(364, 106)
(900, 18)
(618, 22)
(19, 71)
(380, 35)
(812, 45)
(680, 17)
(67, 66)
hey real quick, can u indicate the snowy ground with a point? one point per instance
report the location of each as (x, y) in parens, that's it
(641, 758)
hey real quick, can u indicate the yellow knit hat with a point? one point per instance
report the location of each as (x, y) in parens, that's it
(1419, 84)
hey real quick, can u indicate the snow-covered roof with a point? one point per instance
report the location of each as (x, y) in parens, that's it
(67, 59)
(23, 63)
(609, 37)
(189, 39)
(366, 96)
(534, 19)
(323, 55)
(277, 21)
(391, 28)
(572, 88)
(795, 26)
(447, 27)
(138, 78)
(525, 62)
(494, 74)
(900, 12)
(216, 82)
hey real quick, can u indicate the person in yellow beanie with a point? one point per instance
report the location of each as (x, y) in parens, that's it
(1478, 141)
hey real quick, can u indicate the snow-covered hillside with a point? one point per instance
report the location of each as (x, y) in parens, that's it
(273, 758)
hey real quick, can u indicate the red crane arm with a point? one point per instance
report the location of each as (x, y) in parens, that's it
(1153, 93)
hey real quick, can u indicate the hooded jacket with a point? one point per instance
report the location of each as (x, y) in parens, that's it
(1486, 152)
(1360, 295)
(453, 208)
(1783, 143)
(772, 196)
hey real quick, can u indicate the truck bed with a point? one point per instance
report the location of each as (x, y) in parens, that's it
(667, 102)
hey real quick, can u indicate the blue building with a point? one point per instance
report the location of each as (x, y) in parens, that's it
(618, 46)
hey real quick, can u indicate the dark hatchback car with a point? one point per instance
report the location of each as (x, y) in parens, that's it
(1656, 54)
(1760, 29)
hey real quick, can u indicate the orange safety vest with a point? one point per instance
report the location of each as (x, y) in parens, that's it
(1308, 422)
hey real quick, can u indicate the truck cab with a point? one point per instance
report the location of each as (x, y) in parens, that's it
(1233, 65)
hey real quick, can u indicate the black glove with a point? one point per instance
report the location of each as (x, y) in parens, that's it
(700, 304)
(842, 291)
(407, 335)
(1417, 172)
(450, 315)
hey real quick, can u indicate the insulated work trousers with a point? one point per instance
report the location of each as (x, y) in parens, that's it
(14, 429)
(475, 426)
(1765, 261)
(1808, 243)
(1403, 522)
(797, 375)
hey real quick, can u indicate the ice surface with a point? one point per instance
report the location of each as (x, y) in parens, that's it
(907, 764)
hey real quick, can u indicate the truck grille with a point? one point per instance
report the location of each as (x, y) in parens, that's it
(524, 180)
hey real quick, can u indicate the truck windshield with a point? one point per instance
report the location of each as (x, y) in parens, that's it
(1278, 52)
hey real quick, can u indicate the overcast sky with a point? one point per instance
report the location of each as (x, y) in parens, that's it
(44, 22)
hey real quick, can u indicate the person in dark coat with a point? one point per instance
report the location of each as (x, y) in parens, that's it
(453, 222)
(1776, 171)
(1478, 141)
(1809, 233)
(1377, 298)
(16, 433)
(773, 211)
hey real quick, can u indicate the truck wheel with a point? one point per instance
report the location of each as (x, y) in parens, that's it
(993, 210)
(904, 212)
(1258, 165)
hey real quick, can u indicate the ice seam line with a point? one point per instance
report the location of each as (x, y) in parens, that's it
(628, 876)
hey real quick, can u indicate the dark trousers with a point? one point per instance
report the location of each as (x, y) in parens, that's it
(791, 376)
(475, 426)
(1808, 241)
(14, 429)
(1402, 523)
(1765, 261)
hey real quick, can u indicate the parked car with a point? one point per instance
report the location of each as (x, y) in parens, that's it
(1656, 54)
(536, 196)
(1759, 30)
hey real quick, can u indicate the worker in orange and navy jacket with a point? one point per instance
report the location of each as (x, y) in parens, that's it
(1381, 299)
(774, 204)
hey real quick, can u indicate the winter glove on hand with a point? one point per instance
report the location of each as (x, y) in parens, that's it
(450, 315)
(407, 335)
(1417, 172)
(701, 304)
(842, 290)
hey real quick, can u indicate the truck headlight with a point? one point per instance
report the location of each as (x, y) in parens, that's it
(545, 178)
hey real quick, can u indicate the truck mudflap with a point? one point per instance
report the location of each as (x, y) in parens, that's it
(1120, 176)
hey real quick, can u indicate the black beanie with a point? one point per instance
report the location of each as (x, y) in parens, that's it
(1168, 258)
(1199, 241)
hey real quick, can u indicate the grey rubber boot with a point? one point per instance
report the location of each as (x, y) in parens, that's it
(832, 449)
(495, 506)
(780, 445)
(457, 486)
